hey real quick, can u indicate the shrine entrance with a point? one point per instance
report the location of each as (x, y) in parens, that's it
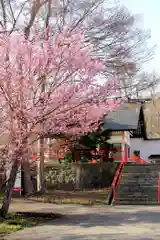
(120, 146)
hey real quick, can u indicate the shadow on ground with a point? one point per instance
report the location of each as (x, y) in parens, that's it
(108, 237)
(129, 225)
(123, 223)
(111, 219)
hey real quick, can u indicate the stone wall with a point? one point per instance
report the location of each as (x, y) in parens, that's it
(79, 176)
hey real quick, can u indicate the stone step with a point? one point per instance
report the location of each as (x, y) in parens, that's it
(150, 165)
(136, 192)
(137, 173)
(135, 179)
(143, 178)
(137, 186)
(142, 191)
(139, 194)
(140, 176)
(143, 171)
(141, 166)
(139, 199)
(124, 196)
(135, 203)
(140, 169)
(138, 183)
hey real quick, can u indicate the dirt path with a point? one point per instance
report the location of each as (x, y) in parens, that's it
(94, 223)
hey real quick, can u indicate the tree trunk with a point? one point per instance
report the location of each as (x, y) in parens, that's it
(40, 168)
(27, 181)
(28, 184)
(50, 155)
(9, 189)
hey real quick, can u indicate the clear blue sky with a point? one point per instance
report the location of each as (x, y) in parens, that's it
(150, 12)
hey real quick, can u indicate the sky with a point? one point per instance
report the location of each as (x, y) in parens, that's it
(150, 13)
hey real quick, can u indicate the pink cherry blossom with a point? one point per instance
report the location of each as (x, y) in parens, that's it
(76, 96)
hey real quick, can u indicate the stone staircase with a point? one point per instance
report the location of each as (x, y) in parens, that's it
(138, 185)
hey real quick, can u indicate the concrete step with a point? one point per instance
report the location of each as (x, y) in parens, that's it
(144, 177)
(137, 197)
(141, 179)
(127, 193)
(140, 168)
(144, 187)
(135, 203)
(149, 165)
(140, 171)
(142, 191)
(138, 183)
(151, 173)
(137, 194)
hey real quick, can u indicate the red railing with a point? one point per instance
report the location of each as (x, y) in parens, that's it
(138, 159)
(117, 178)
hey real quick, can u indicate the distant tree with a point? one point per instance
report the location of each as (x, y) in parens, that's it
(113, 29)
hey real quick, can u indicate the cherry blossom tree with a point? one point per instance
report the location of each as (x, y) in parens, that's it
(108, 23)
(75, 100)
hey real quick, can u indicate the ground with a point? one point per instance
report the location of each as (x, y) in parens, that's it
(92, 222)
(87, 197)
(20, 218)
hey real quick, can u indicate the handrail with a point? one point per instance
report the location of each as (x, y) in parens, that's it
(138, 159)
(112, 193)
(116, 179)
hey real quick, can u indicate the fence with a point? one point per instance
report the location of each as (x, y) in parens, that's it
(78, 176)
(75, 176)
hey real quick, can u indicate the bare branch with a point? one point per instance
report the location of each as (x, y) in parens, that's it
(4, 15)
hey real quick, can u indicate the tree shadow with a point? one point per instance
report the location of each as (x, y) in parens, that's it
(108, 237)
(96, 223)
(138, 225)
(110, 218)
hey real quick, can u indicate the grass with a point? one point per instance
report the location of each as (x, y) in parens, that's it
(90, 197)
(14, 223)
(18, 221)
